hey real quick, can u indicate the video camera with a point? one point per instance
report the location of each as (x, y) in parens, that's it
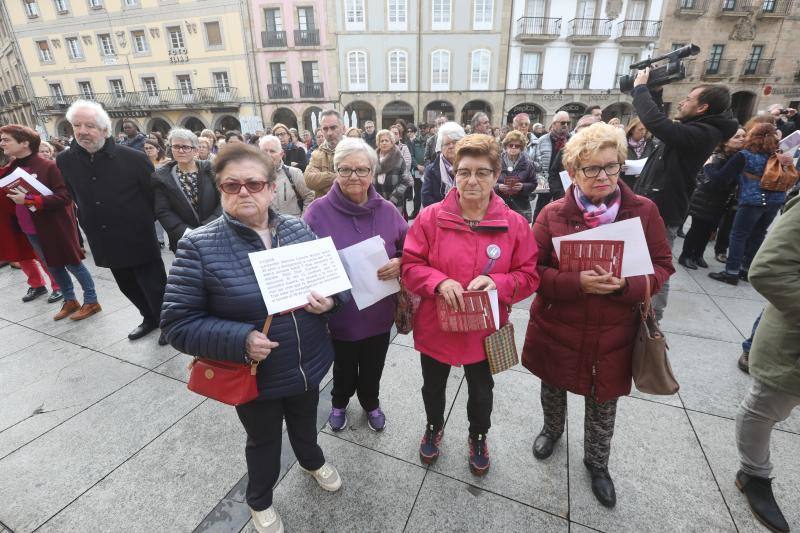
(674, 70)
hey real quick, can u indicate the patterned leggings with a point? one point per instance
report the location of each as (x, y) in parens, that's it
(598, 425)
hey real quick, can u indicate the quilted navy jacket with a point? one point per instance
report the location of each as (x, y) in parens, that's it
(213, 302)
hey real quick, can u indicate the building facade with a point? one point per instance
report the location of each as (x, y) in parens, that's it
(420, 59)
(295, 60)
(15, 96)
(161, 63)
(568, 55)
(747, 45)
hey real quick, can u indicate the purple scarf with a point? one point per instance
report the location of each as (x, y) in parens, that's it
(638, 146)
(597, 215)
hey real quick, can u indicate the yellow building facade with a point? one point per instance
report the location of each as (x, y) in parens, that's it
(15, 102)
(161, 63)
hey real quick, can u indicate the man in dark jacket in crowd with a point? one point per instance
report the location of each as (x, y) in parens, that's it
(112, 186)
(668, 177)
(787, 120)
(133, 137)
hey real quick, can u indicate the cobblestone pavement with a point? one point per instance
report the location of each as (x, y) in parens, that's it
(98, 433)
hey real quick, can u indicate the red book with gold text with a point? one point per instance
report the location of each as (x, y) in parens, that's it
(478, 316)
(577, 256)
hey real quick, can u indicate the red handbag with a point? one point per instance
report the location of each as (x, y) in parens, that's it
(225, 381)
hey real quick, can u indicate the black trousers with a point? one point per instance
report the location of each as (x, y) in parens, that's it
(696, 240)
(357, 369)
(479, 387)
(144, 286)
(541, 200)
(263, 422)
(417, 194)
(724, 232)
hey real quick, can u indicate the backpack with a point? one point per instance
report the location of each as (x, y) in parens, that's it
(776, 177)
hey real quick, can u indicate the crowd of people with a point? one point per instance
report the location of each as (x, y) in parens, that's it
(458, 208)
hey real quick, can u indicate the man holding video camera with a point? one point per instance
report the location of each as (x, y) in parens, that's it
(787, 120)
(668, 177)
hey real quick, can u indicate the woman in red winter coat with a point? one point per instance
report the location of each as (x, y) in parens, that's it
(582, 327)
(48, 221)
(471, 241)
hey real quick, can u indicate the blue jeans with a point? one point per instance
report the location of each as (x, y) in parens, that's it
(61, 276)
(748, 342)
(749, 229)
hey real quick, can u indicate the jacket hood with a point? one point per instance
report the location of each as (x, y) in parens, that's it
(724, 122)
(344, 205)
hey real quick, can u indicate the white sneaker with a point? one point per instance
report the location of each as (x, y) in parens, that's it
(267, 521)
(327, 477)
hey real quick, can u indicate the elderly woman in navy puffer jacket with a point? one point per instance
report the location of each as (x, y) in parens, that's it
(213, 308)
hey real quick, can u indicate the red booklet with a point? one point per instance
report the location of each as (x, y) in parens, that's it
(479, 315)
(22, 184)
(511, 181)
(577, 256)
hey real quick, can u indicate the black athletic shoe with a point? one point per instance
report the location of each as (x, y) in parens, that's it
(33, 293)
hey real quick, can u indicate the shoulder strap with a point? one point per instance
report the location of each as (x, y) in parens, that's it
(267, 324)
(291, 182)
(647, 301)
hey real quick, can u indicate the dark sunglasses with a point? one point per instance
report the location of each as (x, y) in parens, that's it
(518, 146)
(234, 187)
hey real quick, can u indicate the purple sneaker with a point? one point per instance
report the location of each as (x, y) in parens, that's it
(337, 419)
(376, 419)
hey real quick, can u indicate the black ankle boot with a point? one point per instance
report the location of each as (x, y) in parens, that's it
(543, 445)
(758, 491)
(688, 262)
(699, 261)
(602, 485)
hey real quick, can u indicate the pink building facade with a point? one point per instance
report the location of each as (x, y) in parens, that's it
(295, 60)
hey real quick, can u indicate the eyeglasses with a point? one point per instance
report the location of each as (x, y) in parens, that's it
(361, 172)
(611, 169)
(483, 174)
(563, 122)
(517, 146)
(234, 187)
(181, 148)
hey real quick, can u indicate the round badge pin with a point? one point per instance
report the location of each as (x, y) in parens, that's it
(493, 252)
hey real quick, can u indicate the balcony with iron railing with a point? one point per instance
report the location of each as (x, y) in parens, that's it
(311, 90)
(530, 81)
(719, 68)
(13, 97)
(578, 81)
(588, 30)
(637, 31)
(538, 29)
(308, 37)
(737, 8)
(775, 8)
(273, 39)
(158, 99)
(279, 91)
(692, 7)
(757, 68)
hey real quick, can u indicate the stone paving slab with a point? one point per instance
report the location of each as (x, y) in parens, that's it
(659, 471)
(445, 504)
(187, 469)
(742, 313)
(697, 315)
(718, 438)
(87, 448)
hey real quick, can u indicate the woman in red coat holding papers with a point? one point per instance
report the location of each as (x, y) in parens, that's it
(471, 240)
(582, 328)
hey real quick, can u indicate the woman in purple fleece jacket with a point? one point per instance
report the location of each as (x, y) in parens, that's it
(351, 212)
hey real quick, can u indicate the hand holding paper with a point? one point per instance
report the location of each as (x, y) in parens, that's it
(372, 275)
(634, 167)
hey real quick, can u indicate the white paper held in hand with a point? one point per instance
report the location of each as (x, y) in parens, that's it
(636, 255)
(19, 173)
(566, 181)
(286, 275)
(634, 167)
(361, 262)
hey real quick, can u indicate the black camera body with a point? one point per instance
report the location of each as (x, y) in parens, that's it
(673, 70)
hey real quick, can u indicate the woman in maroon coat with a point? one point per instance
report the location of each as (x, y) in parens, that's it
(48, 221)
(582, 327)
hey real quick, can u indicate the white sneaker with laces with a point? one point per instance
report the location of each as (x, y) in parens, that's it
(267, 521)
(327, 477)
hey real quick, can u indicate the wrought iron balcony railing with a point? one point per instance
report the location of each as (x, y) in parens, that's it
(306, 37)
(718, 68)
(757, 68)
(311, 90)
(158, 99)
(530, 81)
(692, 7)
(638, 30)
(273, 39)
(586, 29)
(279, 91)
(578, 81)
(538, 28)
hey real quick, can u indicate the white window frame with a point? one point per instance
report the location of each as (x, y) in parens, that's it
(397, 15)
(45, 54)
(179, 79)
(357, 84)
(210, 46)
(31, 8)
(225, 86)
(355, 17)
(171, 45)
(145, 42)
(150, 90)
(101, 45)
(112, 87)
(398, 70)
(623, 69)
(437, 80)
(61, 6)
(75, 54)
(57, 92)
(479, 20)
(482, 56)
(94, 4)
(86, 95)
(438, 21)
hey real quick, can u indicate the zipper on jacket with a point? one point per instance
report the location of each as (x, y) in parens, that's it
(594, 375)
(300, 352)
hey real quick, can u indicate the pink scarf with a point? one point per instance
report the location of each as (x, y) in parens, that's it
(597, 215)
(638, 146)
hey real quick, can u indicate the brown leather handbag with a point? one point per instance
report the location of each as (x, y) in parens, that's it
(776, 177)
(652, 372)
